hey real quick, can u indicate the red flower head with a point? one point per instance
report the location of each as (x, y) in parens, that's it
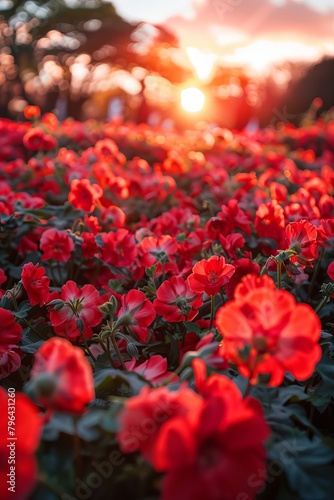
(10, 360)
(269, 224)
(56, 245)
(113, 216)
(34, 139)
(28, 426)
(61, 377)
(214, 455)
(267, 333)
(153, 369)
(89, 246)
(3, 277)
(35, 283)
(144, 415)
(137, 313)
(84, 195)
(242, 267)
(176, 302)
(330, 271)
(210, 275)
(119, 248)
(10, 332)
(156, 250)
(301, 238)
(80, 306)
(31, 112)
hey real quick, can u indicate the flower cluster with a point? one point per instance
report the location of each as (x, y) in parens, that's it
(166, 306)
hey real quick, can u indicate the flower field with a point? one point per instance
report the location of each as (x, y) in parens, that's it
(166, 312)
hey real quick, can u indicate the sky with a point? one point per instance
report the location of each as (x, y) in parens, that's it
(239, 32)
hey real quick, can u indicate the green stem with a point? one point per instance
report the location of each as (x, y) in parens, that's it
(53, 275)
(114, 343)
(212, 312)
(279, 274)
(321, 304)
(107, 352)
(33, 328)
(87, 347)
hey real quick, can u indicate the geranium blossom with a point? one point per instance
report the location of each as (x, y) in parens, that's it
(176, 302)
(84, 195)
(210, 275)
(153, 369)
(10, 359)
(28, 428)
(56, 245)
(156, 250)
(265, 332)
(10, 331)
(301, 238)
(76, 306)
(119, 248)
(137, 313)
(35, 283)
(61, 377)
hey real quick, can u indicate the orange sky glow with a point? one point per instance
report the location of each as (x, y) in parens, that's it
(253, 34)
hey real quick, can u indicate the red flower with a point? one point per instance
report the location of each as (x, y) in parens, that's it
(157, 250)
(325, 232)
(84, 195)
(137, 313)
(153, 369)
(89, 246)
(35, 283)
(242, 267)
(28, 426)
(79, 306)
(10, 332)
(119, 248)
(31, 112)
(144, 415)
(113, 216)
(10, 360)
(34, 139)
(230, 218)
(176, 302)
(56, 245)
(3, 277)
(269, 224)
(214, 455)
(210, 275)
(301, 238)
(330, 271)
(267, 333)
(61, 377)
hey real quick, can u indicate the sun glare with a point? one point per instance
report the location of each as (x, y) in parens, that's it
(202, 61)
(192, 99)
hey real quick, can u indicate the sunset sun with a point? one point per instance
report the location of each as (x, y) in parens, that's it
(192, 99)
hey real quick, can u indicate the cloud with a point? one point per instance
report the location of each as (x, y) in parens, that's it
(254, 20)
(156, 12)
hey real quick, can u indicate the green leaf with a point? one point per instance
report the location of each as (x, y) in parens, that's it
(306, 465)
(24, 308)
(193, 327)
(30, 341)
